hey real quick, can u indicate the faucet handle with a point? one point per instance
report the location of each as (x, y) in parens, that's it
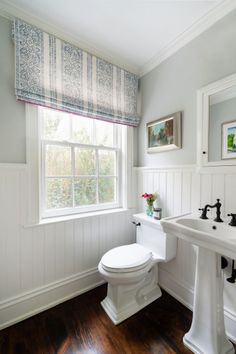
(233, 220)
(201, 209)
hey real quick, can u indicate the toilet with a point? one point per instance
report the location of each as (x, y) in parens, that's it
(131, 271)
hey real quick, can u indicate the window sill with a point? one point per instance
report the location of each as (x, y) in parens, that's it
(65, 218)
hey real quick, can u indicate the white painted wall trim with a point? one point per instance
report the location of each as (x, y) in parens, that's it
(10, 11)
(181, 291)
(17, 166)
(193, 168)
(203, 106)
(165, 168)
(22, 306)
(205, 22)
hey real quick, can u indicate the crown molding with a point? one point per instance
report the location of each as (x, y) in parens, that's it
(205, 22)
(10, 11)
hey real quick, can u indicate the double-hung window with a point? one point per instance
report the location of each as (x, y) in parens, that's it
(80, 163)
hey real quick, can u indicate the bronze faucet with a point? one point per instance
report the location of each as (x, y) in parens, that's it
(217, 205)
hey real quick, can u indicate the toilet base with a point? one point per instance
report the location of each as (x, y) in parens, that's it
(124, 300)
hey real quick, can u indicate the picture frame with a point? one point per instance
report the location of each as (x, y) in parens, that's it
(164, 134)
(228, 143)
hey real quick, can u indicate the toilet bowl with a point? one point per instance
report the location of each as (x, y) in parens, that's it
(131, 271)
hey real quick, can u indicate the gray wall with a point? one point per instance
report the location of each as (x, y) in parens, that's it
(172, 87)
(168, 88)
(219, 113)
(12, 113)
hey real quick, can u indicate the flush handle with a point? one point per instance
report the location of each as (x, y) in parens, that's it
(136, 223)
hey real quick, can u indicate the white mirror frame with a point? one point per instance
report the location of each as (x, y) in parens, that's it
(203, 99)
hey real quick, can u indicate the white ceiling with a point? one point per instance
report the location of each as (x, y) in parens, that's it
(131, 33)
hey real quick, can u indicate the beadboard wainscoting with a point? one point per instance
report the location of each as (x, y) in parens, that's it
(183, 189)
(43, 265)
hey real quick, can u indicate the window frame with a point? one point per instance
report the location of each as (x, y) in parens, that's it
(47, 213)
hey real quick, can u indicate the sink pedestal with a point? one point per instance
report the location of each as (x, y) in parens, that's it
(207, 333)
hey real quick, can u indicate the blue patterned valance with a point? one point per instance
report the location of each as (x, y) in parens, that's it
(53, 73)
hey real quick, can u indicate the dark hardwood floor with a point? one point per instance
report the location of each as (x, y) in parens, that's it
(80, 326)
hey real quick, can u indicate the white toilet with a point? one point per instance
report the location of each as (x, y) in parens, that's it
(132, 270)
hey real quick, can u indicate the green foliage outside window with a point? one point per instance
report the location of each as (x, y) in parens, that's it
(76, 175)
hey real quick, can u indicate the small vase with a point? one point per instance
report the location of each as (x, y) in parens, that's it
(149, 210)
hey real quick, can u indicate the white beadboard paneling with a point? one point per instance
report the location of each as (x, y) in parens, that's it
(206, 189)
(186, 191)
(86, 242)
(50, 253)
(59, 244)
(177, 193)
(38, 256)
(169, 193)
(162, 192)
(156, 182)
(230, 193)
(149, 185)
(43, 256)
(3, 239)
(69, 246)
(26, 266)
(218, 190)
(195, 191)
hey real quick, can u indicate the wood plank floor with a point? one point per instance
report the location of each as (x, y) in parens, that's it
(80, 326)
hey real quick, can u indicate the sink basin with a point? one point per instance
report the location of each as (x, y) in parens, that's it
(207, 333)
(219, 237)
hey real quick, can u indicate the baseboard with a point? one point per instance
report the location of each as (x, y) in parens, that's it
(30, 303)
(230, 324)
(184, 293)
(181, 291)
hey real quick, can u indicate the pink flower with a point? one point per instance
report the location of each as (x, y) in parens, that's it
(150, 197)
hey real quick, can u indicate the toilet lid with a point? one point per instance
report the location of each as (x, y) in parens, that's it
(126, 258)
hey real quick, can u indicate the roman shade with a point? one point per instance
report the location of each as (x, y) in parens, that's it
(56, 74)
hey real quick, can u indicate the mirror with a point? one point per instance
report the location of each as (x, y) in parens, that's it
(222, 134)
(217, 123)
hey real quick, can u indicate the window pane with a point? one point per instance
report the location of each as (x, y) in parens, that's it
(85, 162)
(85, 191)
(56, 125)
(58, 193)
(106, 190)
(82, 130)
(58, 160)
(104, 133)
(107, 162)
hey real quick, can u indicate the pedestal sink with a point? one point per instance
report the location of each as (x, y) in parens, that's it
(207, 333)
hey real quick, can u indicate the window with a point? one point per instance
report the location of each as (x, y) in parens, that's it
(79, 163)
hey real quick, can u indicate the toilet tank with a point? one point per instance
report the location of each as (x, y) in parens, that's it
(150, 235)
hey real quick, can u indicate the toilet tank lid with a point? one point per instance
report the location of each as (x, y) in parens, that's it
(147, 220)
(125, 257)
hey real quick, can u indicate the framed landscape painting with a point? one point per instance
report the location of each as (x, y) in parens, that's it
(164, 134)
(229, 140)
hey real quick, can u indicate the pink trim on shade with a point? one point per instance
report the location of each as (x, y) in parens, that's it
(75, 114)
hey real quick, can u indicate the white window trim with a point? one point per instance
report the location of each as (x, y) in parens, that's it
(126, 198)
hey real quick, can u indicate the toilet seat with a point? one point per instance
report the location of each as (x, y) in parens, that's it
(128, 258)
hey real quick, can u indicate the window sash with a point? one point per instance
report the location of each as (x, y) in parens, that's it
(85, 208)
